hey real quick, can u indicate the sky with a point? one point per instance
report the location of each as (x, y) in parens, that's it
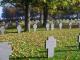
(1, 8)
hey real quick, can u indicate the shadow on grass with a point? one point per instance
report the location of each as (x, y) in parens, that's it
(11, 32)
(44, 51)
(69, 49)
(71, 46)
(16, 58)
(27, 58)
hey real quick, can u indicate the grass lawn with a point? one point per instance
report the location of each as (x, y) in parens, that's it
(29, 44)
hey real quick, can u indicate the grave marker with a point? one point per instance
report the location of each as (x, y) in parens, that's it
(47, 26)
(35, 27)
(60, 26)
(50, 45)
(19, 28)
(70, 25)
(3, 23)
(52, 26)
(6, 25)
(2, 29)
(5, 51)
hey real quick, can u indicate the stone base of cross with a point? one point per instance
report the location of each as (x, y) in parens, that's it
(2, 29)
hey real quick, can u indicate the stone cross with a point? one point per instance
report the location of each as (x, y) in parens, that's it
(19, 28)
(5, 51)
(2, 29)
(52, 26)
(3, 23)
(6, 25)
(50, 45)
(35, 27)
(70, 25)
(60, 26)
(47, 26)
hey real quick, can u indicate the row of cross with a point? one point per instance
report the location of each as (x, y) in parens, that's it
(48, 27)
(6, 49)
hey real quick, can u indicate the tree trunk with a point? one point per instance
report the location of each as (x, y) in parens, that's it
(27, 16)
(45, 14)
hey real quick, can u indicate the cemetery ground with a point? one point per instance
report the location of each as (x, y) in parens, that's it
(30, 44)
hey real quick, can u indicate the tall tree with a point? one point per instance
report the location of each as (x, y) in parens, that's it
(45, 10)
(27, 5)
